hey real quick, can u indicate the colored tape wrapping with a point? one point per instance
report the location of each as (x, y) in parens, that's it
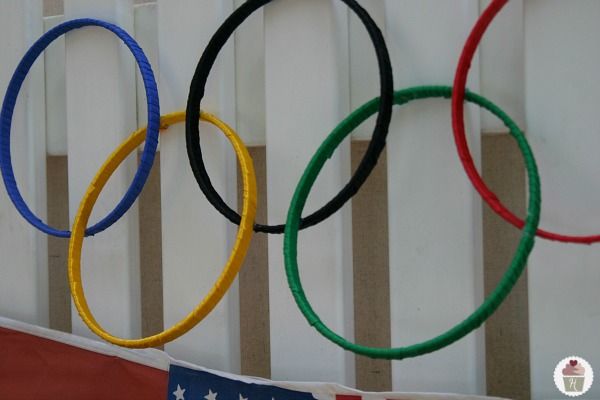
(458, 126)
(366, 165)
(230, 270)
(8, 106)
(489, 305)
(295, 222)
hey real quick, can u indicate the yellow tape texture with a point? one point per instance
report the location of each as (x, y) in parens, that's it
(230, 270)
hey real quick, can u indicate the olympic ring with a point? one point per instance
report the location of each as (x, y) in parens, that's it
(369, 159)
(458, 126)
(8, 106)
(489, 305)
(295, 222)
(226, 277)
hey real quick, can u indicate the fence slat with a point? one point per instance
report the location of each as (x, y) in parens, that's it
(23, 273)
(502, 66)
(250, 78)
(434, 214)
(146, 34)
(563, 95)
(306, 96)
(101, 112)
(196, 238)
(364, 74)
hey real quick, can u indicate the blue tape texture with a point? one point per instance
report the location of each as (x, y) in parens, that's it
(10, 99)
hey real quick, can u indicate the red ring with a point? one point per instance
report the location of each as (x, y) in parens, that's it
(458, 127)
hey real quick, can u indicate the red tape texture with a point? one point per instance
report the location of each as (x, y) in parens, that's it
(458, 126)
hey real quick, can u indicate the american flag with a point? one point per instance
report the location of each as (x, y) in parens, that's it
(190, 384)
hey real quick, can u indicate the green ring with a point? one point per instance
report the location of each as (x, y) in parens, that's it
(489, 305)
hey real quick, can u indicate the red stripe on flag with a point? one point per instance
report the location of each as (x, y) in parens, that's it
(358, 397)
(36, 368)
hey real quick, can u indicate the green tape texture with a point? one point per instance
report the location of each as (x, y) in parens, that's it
(489, 305)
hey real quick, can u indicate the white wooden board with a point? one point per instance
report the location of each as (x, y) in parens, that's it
(434, 214)
(196, 238)
(563, 125)
(100, 115)
(23, 271)
(306, 51)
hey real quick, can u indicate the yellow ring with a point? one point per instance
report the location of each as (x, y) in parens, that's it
(230, 270)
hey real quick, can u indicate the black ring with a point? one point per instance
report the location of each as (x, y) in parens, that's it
(197, 88)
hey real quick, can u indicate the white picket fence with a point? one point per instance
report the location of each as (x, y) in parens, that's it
(296, 70)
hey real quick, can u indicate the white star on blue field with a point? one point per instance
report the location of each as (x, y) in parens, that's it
(189, 384)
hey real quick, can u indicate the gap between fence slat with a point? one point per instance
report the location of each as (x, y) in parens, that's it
(507, 331)
(254, 284)
(151, 253)
(59, 301)
(53, 7)
(371, 272)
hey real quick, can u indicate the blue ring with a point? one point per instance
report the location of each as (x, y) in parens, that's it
(10, 100)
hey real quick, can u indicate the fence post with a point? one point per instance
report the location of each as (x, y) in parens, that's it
(196, 238)
(434, 214)
(307, 94)
(562, 100)
(101, 113)
(23, 272)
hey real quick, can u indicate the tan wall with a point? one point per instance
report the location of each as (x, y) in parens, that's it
(507, 331)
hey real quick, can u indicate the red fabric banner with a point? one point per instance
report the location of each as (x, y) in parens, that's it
(32, 367)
